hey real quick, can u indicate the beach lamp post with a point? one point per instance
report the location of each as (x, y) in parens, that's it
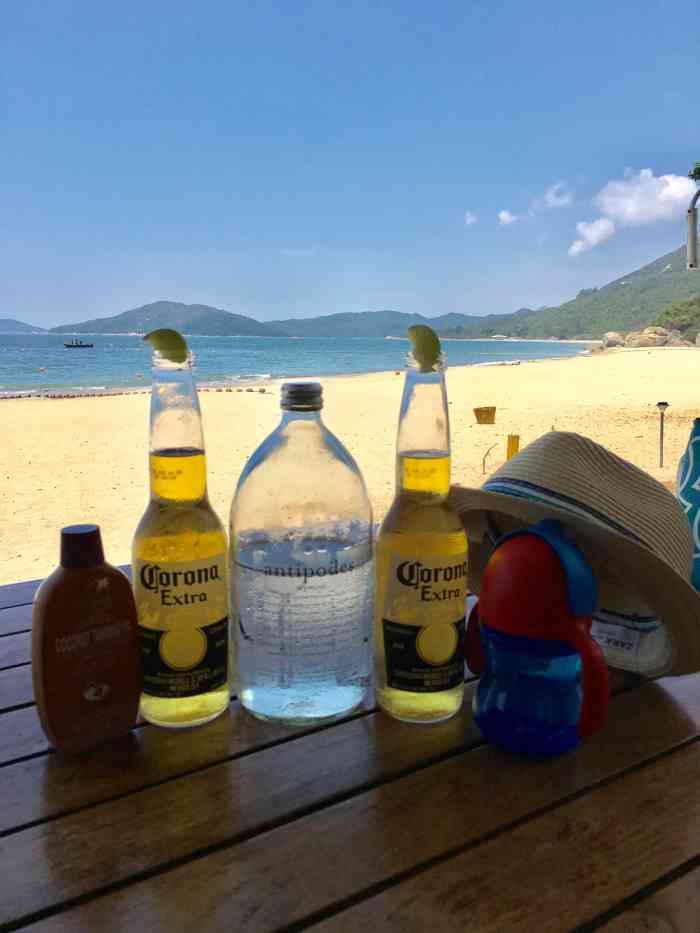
(692, 264)
(662, 406)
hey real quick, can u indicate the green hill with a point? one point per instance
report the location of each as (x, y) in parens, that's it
(189, 319)
(395, 324)
(683, 316)
(629, 303)
(10, 326)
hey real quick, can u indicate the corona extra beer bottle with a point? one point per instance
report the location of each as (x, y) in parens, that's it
(421, 557)
(179, 557)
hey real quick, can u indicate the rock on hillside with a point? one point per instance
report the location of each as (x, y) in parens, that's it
(613, 339)
(649, 337)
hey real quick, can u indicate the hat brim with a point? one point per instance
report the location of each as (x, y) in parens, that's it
(615, 559)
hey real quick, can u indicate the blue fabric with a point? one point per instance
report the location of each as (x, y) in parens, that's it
(688, 491)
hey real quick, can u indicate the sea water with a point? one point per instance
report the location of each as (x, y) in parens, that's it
(38, 363)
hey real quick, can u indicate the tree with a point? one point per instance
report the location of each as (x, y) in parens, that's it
(694, 173)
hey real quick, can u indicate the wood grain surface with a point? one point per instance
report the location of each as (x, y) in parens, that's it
(54, 784)
(15, 688)
(18, 594)
(57, 785)
(68, 858)
(15, 619)
(15, 649)
(675, 908)
(20, 735)
(561, 869)
(367, 824)
(344, 851)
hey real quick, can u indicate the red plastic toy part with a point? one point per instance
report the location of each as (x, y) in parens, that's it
(523, 590)
(524, 593)
(595, 679)
(473, 649)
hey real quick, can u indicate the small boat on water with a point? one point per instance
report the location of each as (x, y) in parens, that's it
(78, 345)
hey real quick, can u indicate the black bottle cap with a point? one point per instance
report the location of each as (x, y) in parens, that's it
(302, 396)
(81, 546)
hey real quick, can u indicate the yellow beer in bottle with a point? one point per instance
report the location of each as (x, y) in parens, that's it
(179, 561)
(421, 557)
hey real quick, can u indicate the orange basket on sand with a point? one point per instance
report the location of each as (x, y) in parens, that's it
(486, 414)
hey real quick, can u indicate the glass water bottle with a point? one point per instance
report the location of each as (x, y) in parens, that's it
(301, 571)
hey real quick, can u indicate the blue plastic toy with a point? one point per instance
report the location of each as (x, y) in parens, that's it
(544, 682)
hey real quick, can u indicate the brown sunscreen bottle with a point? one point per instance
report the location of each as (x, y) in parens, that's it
(85, 647)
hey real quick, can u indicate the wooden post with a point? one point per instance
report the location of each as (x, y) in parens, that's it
(662, 406)
(513, 445)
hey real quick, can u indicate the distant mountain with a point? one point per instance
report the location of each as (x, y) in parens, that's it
(189, 319)
(394, 324)
(630, 302)
(8, 326)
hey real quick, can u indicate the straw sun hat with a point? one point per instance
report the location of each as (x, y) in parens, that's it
(633, 532)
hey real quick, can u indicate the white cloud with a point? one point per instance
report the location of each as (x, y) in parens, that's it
(470, 218)
(636, 199)
(591, 234)
(558, 195)
(505, 218)
(644, 198)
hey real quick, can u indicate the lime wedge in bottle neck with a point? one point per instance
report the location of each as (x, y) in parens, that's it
(169, 343)
(426, 346)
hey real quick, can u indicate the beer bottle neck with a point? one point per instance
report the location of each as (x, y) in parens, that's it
(423, 442)
(177, 462)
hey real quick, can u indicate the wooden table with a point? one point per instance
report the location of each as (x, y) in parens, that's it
(364, 825)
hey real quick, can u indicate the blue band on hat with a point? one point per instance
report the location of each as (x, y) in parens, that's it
(520, 489)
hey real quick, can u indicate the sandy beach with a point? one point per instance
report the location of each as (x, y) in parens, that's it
(85, 459)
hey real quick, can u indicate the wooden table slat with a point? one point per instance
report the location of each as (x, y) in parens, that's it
(363, 825)
(15, 650)
(16, 690)
(21, 735)
(15, 619)
(152, 755)
(18, 594)
(16, 687)
(294, 870)
(555, 872)
(67, 857)
(52, 785)
(675, 908)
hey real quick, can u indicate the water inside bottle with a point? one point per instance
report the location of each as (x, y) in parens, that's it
(303, 646)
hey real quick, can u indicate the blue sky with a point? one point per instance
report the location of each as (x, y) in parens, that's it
(298, 158)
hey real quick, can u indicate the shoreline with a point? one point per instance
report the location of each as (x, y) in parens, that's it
(268, 385)
(87, 461)
(252, 383)
(296, 337)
